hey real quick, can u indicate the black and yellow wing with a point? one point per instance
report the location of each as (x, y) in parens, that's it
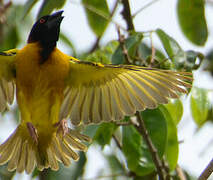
(7, 75)
(97, 92)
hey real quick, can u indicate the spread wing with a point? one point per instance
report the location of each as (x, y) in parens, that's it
(97, 92)
(7, 75)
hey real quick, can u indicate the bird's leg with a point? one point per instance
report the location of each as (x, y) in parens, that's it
(33, 132)
(62, 126)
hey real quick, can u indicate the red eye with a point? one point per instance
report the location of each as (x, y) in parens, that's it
(42, 21)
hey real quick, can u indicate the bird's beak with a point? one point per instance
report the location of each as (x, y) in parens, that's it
(55, 19)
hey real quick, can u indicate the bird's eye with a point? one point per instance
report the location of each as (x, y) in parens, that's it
(42, 21)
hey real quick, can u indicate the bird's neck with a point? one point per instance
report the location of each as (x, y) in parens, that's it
(46, 50)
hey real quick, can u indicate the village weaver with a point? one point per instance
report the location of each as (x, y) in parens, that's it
(52, 87)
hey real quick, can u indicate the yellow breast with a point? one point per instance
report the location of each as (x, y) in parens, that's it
(30, 71)
(40, 86)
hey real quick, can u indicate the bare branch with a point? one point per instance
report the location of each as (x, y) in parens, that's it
(144, 7)
(153, 51)
(207, 171)
(117, 142)
(124, 49)
(180, 173)
(3, 9)
(127, 15)
(156, 159)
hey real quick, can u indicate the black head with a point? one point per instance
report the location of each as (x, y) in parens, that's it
(46, 30)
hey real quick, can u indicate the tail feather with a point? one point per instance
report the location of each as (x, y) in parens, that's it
(22, 153)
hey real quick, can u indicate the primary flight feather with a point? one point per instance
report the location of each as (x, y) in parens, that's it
(52, 86)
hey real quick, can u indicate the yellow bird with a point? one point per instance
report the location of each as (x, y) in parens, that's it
(52, 86)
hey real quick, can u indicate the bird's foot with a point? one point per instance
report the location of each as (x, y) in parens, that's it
(62, 126)
(33, 132)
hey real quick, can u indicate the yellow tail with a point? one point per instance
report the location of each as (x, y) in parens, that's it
(22, 153)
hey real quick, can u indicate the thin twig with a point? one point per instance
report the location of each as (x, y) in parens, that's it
(153, 51)
(127, 15)
(180, 173)
(144, 7)
(114, 9)
(124, 49)
(96, 45)
(166, 169)
(207, 171)
(3, 9)
(123, 123)
(156, 159)
(117, 142)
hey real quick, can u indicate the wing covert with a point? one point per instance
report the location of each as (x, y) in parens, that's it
(7, 75)
(97, 92)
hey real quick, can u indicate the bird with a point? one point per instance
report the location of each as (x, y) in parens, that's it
(52, 87)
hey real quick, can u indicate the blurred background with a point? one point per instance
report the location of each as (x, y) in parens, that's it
(178, 33)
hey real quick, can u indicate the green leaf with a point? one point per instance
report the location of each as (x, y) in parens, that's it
(191, 16)
(200, 105)
(131, 44)
(48, 6)
(132, 148)
(194, 60)
(104, 133)
(172, 147)
(138, 156)
(11, 39)
(175, 107)
(115, 165)
(174, 51)
(160, 60)
(104, 54)
(28, 6)
(145, 52)
(5, 174)
(98, 15)
(90, 130)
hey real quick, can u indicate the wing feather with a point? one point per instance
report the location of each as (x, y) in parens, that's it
(7, 76)
(109, 92)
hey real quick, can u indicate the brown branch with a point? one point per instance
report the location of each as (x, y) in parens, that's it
(123, 46)
(180, 173)
(95, 45)
(207, 171)
(153, 51)
(166, 169)
(3, 9)
(156, 159)
(123, 123)
(117, 142)
(127, 15)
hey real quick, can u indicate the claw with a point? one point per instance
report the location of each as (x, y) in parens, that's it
(62, 126)
(33, 132)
